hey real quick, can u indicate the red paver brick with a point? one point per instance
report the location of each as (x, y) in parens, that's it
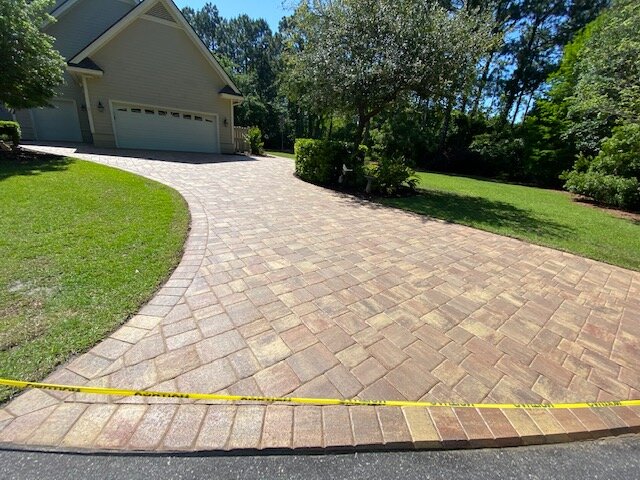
(277, 380)
(501, 429)
(366, 429)
(23, 426)
(154, 424)
(336, 424)
(220, 346)
(475, 427)
(278, 427)
(268, 348)
(54, 428)
(298, 338)
(88, 426)
(311, 362)
(335, 339)
(449, 429)
(307, 427)
(247, 427)
(369, 371)
(570, 424)
(184, 428)
(395, 432)
(120, 427)
(216, 427)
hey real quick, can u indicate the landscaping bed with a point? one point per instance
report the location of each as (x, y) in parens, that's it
(83, 246)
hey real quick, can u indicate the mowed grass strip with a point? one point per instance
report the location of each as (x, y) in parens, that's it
(280, 153)
(544, 217)
(82, 247)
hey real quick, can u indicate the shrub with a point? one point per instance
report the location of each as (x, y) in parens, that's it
(607, 189)
(10, 131)
(320, 161)
(500, 153)
(391, 174)
(254, 139)
(613, 176)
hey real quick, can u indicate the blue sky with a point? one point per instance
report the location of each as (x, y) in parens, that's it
(271, 10)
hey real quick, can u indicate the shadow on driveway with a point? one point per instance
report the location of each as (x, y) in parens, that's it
(165, 156)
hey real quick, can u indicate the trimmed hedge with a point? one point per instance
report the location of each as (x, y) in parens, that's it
(320, 161)
(10, 130)
(621, 192)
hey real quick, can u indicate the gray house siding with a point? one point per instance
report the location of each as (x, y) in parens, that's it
(83, 22)
(156, 64)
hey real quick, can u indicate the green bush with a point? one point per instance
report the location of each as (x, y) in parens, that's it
(391, 174)
(10, 131)
(613, 176)
(254, 139)
(606, 189)
(501, 154)
(320, 161)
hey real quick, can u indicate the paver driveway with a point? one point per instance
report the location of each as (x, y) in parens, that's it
(288, 288)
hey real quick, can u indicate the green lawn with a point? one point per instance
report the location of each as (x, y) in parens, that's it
(83, 246)
(544, 217)
(280, 153)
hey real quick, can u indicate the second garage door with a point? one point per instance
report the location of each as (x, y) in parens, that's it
(156, 128)
(58, 122)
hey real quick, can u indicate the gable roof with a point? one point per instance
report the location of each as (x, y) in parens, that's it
(65, 5)
(135, 13)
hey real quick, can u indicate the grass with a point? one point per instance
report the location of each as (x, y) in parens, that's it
(543, 217)
(83, 246)
(280, 153)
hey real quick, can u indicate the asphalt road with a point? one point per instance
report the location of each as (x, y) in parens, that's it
(617, 458)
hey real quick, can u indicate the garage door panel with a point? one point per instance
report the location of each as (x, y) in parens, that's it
(161, 129)
(60, 123)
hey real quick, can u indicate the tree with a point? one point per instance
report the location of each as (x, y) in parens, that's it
(356, 57)
(605, 109)
(31, 67)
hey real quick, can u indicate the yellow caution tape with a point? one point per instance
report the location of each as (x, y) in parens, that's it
(308, 401)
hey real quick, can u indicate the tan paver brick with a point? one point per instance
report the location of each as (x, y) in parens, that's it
(278, 427)
(184, 428)
(120, 426)
(216, 427)
(246, 431)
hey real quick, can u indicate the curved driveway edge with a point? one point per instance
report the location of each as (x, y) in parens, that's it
(290, 289)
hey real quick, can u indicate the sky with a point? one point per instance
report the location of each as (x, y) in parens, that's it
(271, 10)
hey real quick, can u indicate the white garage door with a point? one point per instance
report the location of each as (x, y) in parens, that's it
(156, 128)
(58, 123)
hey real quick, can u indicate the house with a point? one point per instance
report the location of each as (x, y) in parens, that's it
(137, 76)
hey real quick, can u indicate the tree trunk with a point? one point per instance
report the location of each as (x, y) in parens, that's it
(444, 131)
(483, 83)
(363, 120)
(515, 113)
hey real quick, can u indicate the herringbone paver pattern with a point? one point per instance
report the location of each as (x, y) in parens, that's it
(286, 288)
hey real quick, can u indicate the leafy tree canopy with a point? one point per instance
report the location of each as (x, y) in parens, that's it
(358, 56)
(31, 67)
